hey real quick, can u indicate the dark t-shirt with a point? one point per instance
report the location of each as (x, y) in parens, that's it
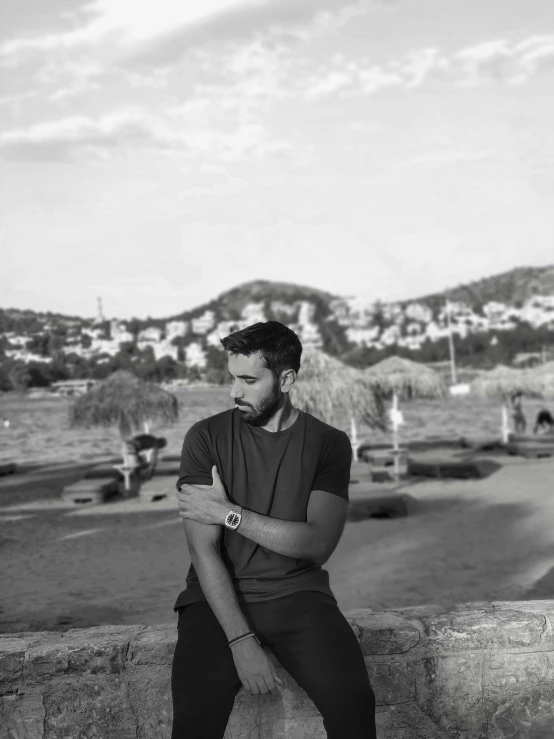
(271, 473)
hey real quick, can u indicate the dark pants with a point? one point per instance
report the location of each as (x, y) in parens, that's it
(312, 640)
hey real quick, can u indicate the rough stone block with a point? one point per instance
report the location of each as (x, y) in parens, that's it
(392, 682)
(88, 707)
(419, 612)
(12, 659)
(528, 716)
(291, 714)
(385, 633)
(508, 672)
(153, 645)
(46, 659)
(450, 691)
(102, 649)
(406, 722)
(493, 629)
(22, 716)
(298, 728)
(149, 695)
(482, 672)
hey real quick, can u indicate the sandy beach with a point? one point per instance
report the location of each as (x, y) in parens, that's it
(125, 561)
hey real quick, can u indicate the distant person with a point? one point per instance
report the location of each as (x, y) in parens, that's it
(147, 447)
(544, 423)
(518, 416)
(263, 492)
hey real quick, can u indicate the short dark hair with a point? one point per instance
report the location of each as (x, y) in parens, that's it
(279, 346)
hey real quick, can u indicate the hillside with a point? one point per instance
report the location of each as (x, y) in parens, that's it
(506, 318)
(230, 304)
(511, 288)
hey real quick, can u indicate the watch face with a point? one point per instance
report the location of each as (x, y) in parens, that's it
(233, 520)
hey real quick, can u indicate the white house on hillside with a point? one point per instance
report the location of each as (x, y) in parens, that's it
(165, 349)
(195, 355)
(204, 323)
(176, 328)
(363, 336)
(150, 334)
(309, 335)
(253, 313)
(418, 312)
(287, 309)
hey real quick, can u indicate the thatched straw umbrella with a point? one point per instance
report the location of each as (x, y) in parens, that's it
(402, 379)
(331, 390)
(505, 382)
(125, 401)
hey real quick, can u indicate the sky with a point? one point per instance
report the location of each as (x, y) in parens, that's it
(156, 153)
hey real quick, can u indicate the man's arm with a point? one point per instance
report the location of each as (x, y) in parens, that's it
(204, 546)
(314, 540)
(254, 669)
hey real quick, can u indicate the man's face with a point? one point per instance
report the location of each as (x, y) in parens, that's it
(254, 389)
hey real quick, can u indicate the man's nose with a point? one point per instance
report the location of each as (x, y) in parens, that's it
(235, 392)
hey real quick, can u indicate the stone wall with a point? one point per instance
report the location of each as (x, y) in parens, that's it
(481, 671)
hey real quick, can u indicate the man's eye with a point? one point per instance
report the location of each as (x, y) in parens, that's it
(250, 382)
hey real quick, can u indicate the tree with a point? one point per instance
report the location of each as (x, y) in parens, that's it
(20, 377)
(162, 370)
(86, 341)
(39, 344)
(39, 374)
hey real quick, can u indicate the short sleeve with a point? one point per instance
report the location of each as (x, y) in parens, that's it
(333, 472)
(196, 459)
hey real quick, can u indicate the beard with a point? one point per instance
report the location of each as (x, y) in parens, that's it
(265, 409)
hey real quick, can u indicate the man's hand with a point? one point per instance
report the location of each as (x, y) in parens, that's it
(204, 504)
(254, 669)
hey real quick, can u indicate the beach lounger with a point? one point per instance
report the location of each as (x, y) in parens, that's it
(9, 468)
(378, 506)
(482, 444)
(381, 464)
(530, 450)
(448, 468)
(531, 439)
(90, 492)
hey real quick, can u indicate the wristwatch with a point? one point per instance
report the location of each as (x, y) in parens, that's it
(233, 518)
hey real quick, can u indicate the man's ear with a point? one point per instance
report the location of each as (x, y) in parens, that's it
(288, 378)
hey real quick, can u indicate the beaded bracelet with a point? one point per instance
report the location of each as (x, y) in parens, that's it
(243, 636)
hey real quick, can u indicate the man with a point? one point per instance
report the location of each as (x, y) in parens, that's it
(263, 493)
(544, 423)
(518, 416)
(147, 447)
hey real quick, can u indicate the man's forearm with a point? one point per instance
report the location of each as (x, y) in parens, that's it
(296, 539)
(217, 586)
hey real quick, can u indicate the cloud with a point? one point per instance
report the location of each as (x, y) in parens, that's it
(495, 60)
(168, 29)
(489, 61)
(501, 61)
(143, 45)
(423, 65)
(536, 54)
(75, 136)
